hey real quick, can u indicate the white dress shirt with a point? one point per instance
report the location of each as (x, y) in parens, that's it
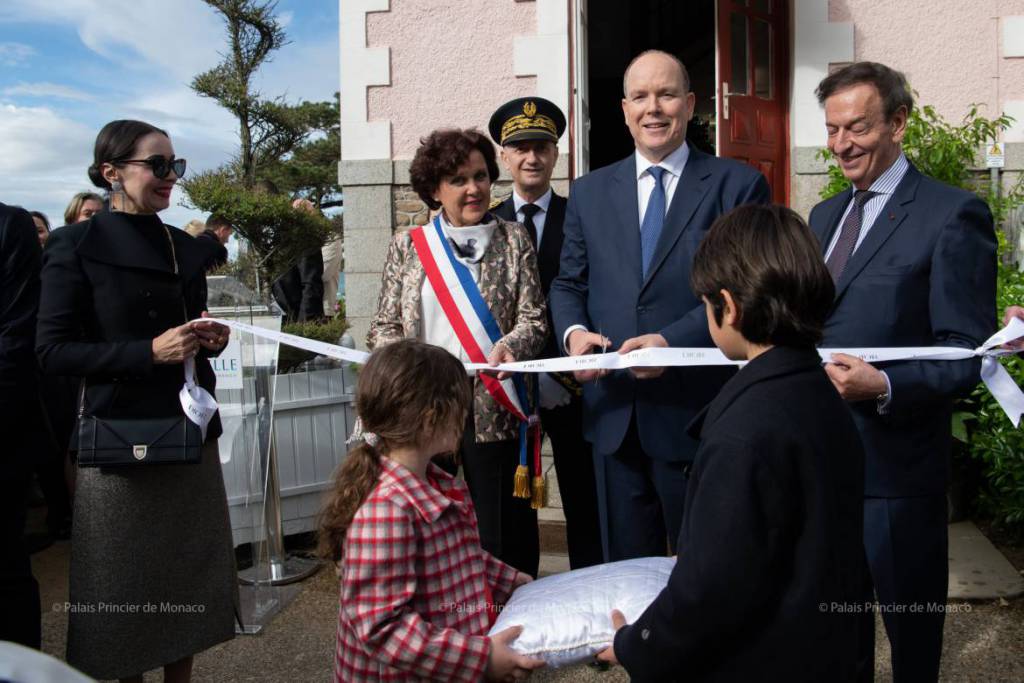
(539, 218)
(673, 164)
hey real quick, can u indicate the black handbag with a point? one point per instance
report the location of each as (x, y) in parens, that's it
(109, 442)
(106, 442)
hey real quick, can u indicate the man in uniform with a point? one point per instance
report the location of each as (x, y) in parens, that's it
(528, 129)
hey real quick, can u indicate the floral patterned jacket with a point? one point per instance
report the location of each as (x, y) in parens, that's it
(509, 283)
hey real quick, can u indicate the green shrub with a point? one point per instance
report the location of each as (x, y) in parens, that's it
(991, 438)
(277, 233)
(328, 330)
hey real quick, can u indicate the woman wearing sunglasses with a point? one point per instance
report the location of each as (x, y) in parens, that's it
(152, 565)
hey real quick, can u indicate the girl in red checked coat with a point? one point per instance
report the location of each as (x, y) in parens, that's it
(418, 593)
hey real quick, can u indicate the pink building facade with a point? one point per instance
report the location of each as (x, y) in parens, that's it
(410, 66)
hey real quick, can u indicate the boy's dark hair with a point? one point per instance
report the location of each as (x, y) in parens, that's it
(767, 258)
(891, 85)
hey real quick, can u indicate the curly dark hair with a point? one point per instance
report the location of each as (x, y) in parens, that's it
(441, 153)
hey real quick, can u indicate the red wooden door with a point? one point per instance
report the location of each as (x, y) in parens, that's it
(753, 88)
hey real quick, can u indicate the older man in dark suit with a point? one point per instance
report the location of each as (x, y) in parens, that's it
(19, 400)
(528, 129)
(631, 230)
(914, 265)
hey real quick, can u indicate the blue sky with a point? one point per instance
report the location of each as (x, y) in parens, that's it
(69, 66)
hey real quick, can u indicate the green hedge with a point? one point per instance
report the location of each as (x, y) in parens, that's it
(991, 438)
(329, 330)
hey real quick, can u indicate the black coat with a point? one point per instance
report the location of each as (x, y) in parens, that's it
(300, 291)
(109, 289)
(771, 531)
(216, 253)
(19, 299)
(548, 253)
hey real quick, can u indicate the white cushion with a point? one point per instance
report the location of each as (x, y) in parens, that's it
(566, 618)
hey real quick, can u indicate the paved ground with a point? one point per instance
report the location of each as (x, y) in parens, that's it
(984, 639)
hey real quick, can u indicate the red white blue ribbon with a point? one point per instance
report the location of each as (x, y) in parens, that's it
(466, 310)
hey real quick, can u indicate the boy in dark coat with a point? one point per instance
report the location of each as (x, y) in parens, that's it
(770, 582)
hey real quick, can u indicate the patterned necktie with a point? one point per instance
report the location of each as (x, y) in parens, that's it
(654, 219)
(529, 211)
(848, 235)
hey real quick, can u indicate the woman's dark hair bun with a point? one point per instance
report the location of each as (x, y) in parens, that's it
(97, 178)
(116, 142)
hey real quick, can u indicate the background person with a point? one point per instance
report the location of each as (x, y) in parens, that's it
(527, 130)
(453, 170)
(213, 236)
(299, 291)
(42, 224)
(914, 262)
(631, 230)
(113, 292)
(19, 301)
(82, 207)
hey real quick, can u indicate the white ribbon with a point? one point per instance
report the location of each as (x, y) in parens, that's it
(198, 404)
(993, 374)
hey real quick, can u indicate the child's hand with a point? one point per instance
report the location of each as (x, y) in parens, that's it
(504, 663)
(522, 578)
(608, 654)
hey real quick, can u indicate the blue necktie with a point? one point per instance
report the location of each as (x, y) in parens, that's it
(654, 219)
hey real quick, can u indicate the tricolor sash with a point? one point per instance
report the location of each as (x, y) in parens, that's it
(477, 332)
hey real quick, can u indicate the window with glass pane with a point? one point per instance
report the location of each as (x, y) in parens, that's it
(764, 6)
(738, 53)
(762, 59)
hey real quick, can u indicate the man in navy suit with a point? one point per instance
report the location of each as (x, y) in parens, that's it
(527, 129)
(631, 230)
(914, 262)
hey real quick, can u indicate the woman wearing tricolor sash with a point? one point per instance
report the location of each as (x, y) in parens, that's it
(468, 282)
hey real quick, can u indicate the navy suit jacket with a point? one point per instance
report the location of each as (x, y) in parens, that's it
(924, 275)
(547, 253)
(771, 530)
(600, 286)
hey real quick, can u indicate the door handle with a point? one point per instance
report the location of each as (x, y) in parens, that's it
(726, 94)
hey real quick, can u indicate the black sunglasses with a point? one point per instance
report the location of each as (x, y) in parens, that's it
(162, 166)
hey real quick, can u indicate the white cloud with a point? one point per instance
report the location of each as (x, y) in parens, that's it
(181, 37)
(13, 54)
(154, 49)
(43, 89)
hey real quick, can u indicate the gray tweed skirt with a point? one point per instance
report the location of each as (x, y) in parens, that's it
(152, 566)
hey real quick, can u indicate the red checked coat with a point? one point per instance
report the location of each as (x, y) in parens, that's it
(415, 584)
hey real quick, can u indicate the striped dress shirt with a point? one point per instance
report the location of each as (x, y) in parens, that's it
(883, 187)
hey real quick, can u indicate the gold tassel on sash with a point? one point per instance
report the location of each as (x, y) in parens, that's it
(522, 482)
(540, 493)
